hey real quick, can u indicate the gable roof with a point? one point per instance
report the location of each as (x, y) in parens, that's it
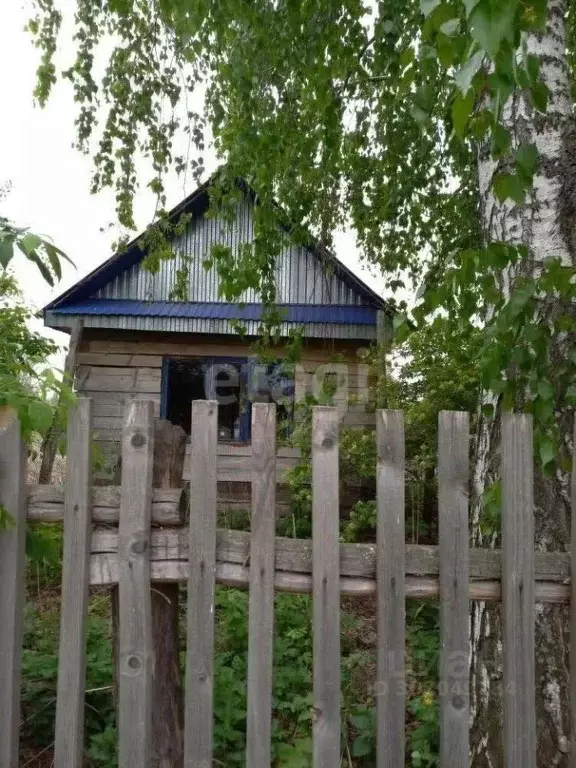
(195, 204)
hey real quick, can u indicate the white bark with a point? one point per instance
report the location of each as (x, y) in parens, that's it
(546, 224)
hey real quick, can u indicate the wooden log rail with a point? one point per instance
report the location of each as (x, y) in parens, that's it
(293, 557)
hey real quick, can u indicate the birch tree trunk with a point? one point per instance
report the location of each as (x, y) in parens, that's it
(546, 224)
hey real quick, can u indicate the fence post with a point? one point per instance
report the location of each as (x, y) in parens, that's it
(518, 592)
(69, 741)
(391, 598)
(12, 572)
(573, 604)
(261, 597)
(135, 609)
(453, 539)
(201, 584)
(167, 709)
(326, 586)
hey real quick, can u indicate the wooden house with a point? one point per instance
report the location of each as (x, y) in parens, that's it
(138, 342)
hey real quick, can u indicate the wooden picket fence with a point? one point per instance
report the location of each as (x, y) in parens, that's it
(201, 555)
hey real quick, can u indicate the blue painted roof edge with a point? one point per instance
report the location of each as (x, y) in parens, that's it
(198, 201)
(342, 314)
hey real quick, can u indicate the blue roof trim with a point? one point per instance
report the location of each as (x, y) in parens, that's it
(293, 313)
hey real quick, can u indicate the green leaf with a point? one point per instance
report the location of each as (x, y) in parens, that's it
(546, 449)
(501, 141)
(53, 259)
(533, 67)
(533, 17)
(462, 107)
(446, 49)
(470, 5)
(571, 392)
(508, 185)
(407, 56)
(539, 93)
(488, 410)
(428, 6)
(463, 78)
(29, 243)
(6, 252)
(527, 159)
(492, 22)
(450, 27)
(44, 271)
(361, 747)
(41, 415)
(545, 389)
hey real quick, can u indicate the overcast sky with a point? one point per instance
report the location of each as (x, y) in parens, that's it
(51, 180)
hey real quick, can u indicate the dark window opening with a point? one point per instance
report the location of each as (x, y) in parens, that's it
(272, 384)
(235, 383)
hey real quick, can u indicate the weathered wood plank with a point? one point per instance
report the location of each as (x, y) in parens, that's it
(518, 592)
(573, 605)
(198, 715)
(117, 372)
(453, 472)
(12, 565)
(128, 380)
(355, 559)
(261, 600)
(46, 504)
(104, 571)
(135, 610)
(69, 740)
(113, 404)
(326, 589)
(123, 342)
(390, 565)
(119, 360)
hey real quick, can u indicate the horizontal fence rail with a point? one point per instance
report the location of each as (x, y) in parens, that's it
(133, 535)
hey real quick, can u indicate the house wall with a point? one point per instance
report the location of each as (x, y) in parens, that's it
(114, 367)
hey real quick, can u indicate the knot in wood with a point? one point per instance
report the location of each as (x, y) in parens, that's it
(327, 442)
(134, 663)
(139, 545)
(458, 701)
(138, 440)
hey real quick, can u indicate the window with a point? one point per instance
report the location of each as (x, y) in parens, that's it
(234, 383)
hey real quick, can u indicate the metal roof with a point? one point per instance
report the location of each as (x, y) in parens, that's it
(291, 313)
(316, 292)
(197, 203)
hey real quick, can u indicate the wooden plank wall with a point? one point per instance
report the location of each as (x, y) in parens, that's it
(119, 367)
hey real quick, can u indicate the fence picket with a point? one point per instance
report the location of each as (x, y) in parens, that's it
(326, 587)
(12, 565)
(201, 585)
(135, 630)
(390, 569)
(453, 539)
(261, 610)
(573, 605)
(69, 740)
(518, 592)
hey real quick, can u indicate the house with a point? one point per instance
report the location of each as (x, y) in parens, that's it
(138, 342)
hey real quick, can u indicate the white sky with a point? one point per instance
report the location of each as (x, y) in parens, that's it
(51, 180)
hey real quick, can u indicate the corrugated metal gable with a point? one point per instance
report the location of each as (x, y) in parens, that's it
(301, 277)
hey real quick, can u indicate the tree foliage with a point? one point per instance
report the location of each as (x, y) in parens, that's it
(346, 113)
